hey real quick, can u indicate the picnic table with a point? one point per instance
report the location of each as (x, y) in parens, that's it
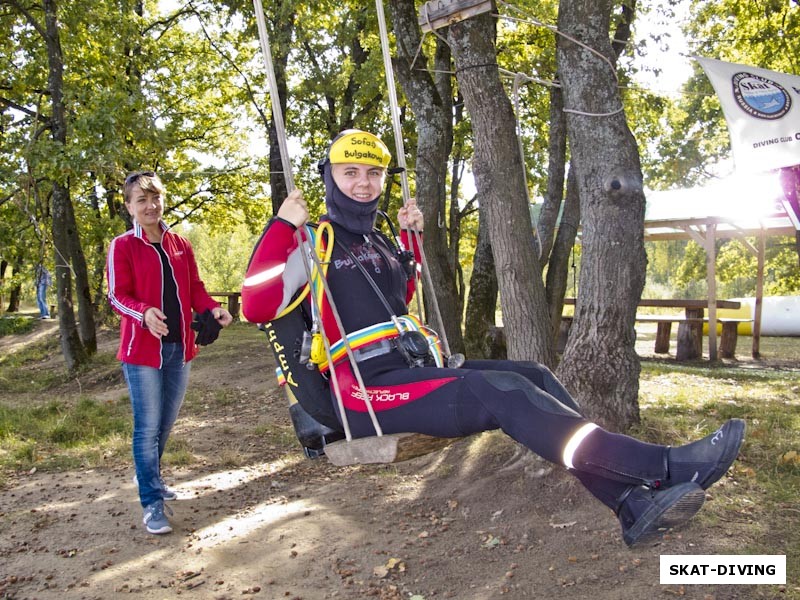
(690, 325)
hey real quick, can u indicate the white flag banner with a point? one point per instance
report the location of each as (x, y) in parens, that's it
(762, 109)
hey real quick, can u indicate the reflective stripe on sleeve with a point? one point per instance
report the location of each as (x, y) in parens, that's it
(265, 275)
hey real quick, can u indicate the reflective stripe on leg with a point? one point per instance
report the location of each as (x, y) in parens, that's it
(574, 442)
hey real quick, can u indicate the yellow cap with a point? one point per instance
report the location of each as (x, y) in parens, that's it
(356, 146)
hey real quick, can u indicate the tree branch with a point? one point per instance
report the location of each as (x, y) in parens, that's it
(622, 34)
(24, 10)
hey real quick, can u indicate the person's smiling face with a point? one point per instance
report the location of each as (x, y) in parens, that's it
(145, 207)
(362, 183)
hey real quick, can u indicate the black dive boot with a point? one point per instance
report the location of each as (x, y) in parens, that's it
(644, 511)
(707, 460)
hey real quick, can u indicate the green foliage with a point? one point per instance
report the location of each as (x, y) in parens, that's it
(184, 92)
(150, 90)
(679, 268)
(694, 137)
(527, 48)
(221, 257)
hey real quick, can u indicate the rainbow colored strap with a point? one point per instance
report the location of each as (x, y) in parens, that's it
(385, 331)
(376, 333)
(359, 339)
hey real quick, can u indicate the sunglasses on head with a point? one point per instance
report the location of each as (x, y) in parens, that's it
(134, 177)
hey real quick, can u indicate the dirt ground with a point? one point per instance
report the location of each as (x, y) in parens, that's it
(476, 521)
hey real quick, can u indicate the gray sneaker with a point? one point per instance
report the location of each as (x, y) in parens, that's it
(166, 493)
(154, 518)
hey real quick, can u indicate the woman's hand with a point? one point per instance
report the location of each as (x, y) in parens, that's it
(294, 209)
(222, 316)
(410, 216)
(154, 320)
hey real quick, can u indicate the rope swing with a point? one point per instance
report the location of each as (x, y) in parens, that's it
(379, 448)
(452, 361)
(277, 115)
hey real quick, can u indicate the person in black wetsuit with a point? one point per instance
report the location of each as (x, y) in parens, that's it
(648, 486)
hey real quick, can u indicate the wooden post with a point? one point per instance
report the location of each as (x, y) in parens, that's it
(663, 330)
(759, 295)
(233, 306)
(730, 334)
(690, 335)
(711, 268)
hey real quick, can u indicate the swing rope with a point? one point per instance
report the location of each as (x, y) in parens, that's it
(277, 115)
(401, 161)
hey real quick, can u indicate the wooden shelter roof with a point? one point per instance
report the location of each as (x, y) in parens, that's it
(736, 207)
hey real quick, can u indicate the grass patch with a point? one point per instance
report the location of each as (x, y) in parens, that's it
(279, 435)
(759, 503)
(16, 324)
(205, 399)
(61, 435)
(22, 371)
(178, 452)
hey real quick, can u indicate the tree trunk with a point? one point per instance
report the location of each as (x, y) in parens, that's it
(457, 166)
(14, 298)
(557, 151)
(71, 346)
(497, 166)
(3, 268)
(482, 301)
(558, 268)
(86, 321)
(432, 107)
(16, 292)
(600, 365)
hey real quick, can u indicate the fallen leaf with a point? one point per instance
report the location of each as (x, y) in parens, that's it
(380, 572)
(395, 565)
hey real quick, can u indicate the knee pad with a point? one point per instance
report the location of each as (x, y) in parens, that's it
(508, 381)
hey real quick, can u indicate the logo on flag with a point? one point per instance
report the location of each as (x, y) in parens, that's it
(762, 109)
(760, 97)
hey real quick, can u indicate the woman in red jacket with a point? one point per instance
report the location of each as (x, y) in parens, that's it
(154, 285)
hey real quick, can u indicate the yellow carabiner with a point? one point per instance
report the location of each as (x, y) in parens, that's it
(317, 354)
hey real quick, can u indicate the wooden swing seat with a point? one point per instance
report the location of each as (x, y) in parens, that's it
(435, 14)
(387, 448)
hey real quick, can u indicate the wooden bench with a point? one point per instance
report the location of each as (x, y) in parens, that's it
(690, 334)
(233, 301)
(687, 336)
(691, 337)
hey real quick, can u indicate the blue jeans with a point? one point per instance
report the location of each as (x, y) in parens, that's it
(41, 300)
(156, 397)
